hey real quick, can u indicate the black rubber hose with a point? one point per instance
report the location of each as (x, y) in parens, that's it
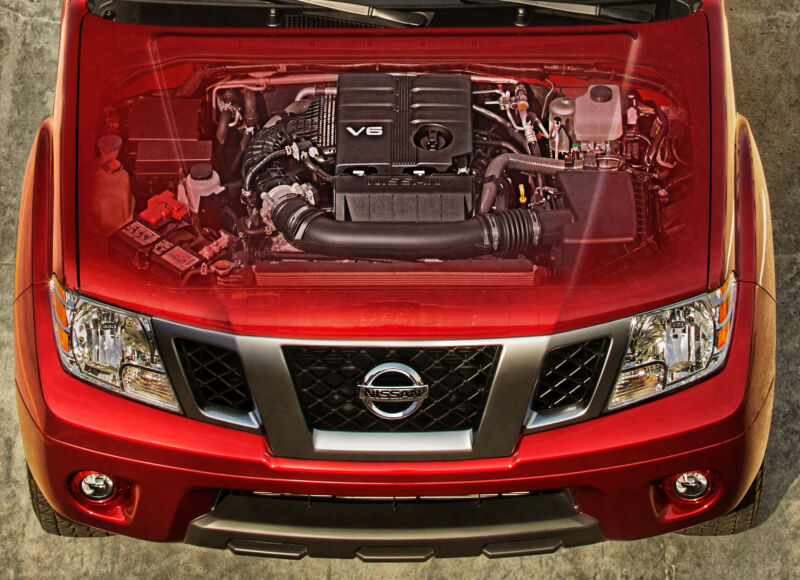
(251, 108)
(650, 155)
(241, 224)
(315, 230)
(251, 120)
(267, 141)
(248, 179)
(316, 169)
(243, 144)
(516, 162)
(515, 135)
(223, 125)
(503, 144)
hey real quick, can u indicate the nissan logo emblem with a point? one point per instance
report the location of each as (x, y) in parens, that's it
(409, 389)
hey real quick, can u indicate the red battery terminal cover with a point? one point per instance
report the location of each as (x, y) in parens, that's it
(163, 206)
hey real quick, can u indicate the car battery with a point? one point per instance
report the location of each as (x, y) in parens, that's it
(161, 250)
(169, 260)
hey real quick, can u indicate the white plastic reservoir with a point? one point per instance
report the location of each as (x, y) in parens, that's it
(598, 114)
(113, 206)
(202, 182)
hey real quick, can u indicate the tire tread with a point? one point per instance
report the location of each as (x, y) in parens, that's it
(742, 517)
(54, 523)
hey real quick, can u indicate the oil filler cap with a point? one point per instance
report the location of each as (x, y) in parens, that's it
(433, 137)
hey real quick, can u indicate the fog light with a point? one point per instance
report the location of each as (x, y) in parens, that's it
(97, 486)
(691, 485)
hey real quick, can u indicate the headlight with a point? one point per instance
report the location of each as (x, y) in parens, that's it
(674, 346)
(110, 347)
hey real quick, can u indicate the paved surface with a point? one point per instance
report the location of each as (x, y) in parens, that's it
(766, 49)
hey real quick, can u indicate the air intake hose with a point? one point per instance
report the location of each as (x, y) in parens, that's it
(518, 162)
(314, 230)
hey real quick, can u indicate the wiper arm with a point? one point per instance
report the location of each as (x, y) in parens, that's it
(395, 16)
(595, 10)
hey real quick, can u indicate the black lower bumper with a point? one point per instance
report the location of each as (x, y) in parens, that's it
(393, 530)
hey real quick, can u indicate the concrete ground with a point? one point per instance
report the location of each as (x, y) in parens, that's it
(766, 49)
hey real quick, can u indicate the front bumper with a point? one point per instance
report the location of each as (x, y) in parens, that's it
(393, 530)
(612, 467)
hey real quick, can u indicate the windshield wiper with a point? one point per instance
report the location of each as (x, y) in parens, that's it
(594, 10)
(414, 19)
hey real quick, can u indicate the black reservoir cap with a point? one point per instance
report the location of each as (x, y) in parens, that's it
(201, 172)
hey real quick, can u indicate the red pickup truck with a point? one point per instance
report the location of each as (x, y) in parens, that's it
(394, 280)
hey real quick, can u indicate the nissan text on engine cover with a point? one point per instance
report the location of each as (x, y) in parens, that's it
(394, 280)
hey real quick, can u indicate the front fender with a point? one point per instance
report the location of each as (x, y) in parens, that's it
(755, 260)
(34, 232)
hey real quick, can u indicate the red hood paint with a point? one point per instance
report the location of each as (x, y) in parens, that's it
(445, 300)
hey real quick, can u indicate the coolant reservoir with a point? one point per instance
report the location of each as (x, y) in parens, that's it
(598, 114)
(202, 181)
(112, 185)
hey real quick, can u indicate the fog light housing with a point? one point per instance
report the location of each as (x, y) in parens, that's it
(96, 486)
(691, 485)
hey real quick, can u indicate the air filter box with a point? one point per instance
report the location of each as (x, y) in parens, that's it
(603, 204)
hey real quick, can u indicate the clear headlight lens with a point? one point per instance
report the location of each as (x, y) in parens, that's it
(673, 346)
(110, 347)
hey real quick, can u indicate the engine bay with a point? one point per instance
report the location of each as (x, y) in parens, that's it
(242, 168)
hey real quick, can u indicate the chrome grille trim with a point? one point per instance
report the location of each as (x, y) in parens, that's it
(369, 442)
(506, 416)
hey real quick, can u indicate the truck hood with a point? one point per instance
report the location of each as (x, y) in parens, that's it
(467, 297)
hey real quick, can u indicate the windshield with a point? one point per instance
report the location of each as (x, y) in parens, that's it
(389, 13)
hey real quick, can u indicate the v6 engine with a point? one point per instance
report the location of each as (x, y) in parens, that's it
(407, 164)
(400, 142)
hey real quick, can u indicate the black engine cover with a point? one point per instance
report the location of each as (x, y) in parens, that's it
(444, 197)
(391, 128)
(394, 123)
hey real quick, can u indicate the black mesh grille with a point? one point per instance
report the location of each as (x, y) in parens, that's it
(569, 375)
(326, 382)
(215, 375)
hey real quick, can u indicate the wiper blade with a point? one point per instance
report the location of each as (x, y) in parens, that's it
(414, 19)
(595, 10)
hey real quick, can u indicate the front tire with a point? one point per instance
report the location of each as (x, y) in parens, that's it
(54, 523)
(743, 517)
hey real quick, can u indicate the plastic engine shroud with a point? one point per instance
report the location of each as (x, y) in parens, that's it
(389, 126)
